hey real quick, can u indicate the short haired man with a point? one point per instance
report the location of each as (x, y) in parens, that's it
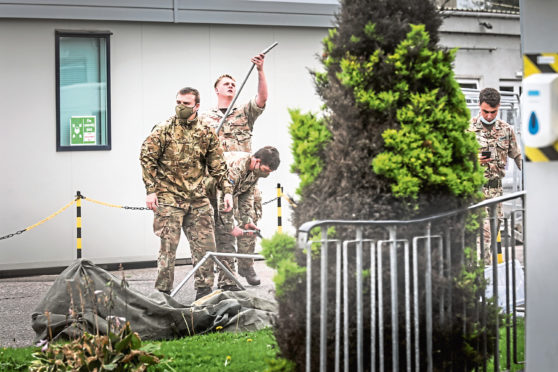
(236, 132)
(497, 142)
(174, 159)
(244, 172)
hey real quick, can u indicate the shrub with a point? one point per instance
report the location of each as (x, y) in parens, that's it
(396, 148)
(280, 254)
(112, 352)
(309, 136)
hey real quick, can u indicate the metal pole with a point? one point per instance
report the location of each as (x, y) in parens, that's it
(337, 304)
(345, 306)
(373, 274)
(240, 89)
(416, 303)
(394, 299)
(360, 333)
(323, 300)
(494, 248)
(428, 285)
(189, 275)
(308, 304)
(78, 223)
(407, 307)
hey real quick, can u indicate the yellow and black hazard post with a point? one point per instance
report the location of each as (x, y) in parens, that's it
(78, 223)
(499, 245)
(541, 63)
(279, 222)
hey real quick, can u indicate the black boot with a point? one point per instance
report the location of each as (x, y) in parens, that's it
(202, 292)
(250, 275)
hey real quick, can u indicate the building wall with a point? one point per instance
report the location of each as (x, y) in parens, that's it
(149, 63)
(538, 30)
(489, 48)
(155, 52)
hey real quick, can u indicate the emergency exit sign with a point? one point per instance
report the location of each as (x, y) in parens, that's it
(83, 130)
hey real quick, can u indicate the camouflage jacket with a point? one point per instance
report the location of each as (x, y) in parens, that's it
(236, 133)
(244, 181)
(175, 159)
(500, 141)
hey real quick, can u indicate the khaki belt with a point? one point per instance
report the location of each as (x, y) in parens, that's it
(492, 184)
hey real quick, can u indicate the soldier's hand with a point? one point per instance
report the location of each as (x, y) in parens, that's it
(258, 61)
(251, 226)
(152, 202)
(237, 231)
(484, 159)
(228, 200)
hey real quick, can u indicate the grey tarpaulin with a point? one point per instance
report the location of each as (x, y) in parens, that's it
(84, 290)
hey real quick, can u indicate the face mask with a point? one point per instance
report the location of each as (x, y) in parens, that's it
(487, 122)
(183, 111)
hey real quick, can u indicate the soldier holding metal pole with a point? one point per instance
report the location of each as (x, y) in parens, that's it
(234, 125)
(244, 172)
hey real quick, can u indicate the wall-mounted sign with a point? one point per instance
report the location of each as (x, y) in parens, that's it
(539, 113)
(83, 130)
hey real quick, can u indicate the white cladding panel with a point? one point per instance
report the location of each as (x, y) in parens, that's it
(149, 63)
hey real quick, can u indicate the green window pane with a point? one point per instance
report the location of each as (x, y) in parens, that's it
(82, 88)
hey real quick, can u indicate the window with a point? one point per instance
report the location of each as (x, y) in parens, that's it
(82, 90)
(466, 83)
(510, 85)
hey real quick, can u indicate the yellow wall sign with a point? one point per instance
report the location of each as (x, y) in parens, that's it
(536, 64)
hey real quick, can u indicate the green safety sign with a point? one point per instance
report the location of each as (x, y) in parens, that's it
(83, 130)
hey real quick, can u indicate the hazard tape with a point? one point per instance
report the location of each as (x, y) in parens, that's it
(542, 63)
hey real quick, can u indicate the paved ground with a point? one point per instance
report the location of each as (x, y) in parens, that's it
(19, 297)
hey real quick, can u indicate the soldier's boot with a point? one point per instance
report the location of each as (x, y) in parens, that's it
(250, 275)
(202, 292)
(230, 287)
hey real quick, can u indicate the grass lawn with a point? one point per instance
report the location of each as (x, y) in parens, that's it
(247, 351)
(503, 348)
(224, 351)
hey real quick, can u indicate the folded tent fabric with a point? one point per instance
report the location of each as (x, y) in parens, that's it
(81, 300)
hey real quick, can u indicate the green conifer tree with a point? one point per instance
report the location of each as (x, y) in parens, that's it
(397, 118)
(391, 143)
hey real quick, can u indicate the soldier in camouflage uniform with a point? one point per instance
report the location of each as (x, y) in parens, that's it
(498, 138)
(236, 132)
(244, 172)
(174, 159)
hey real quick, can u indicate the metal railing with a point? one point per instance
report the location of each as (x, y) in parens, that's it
(436, 250)
(214, 256)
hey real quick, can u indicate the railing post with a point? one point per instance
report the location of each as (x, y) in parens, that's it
(308, 302)
(394, 298)
(428, 285)
(494, 248)
(359, 299)
(323, 299)
(78, 223)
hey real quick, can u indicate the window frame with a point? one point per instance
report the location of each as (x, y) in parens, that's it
(83, 34)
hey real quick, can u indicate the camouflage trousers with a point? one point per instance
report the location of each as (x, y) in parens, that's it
(197, 223)
(489, 193)
(224, 223)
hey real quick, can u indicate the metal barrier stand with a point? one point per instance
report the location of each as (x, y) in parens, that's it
(213, 256)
